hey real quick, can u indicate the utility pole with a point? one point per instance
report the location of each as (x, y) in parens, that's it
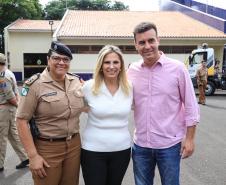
(51, 26)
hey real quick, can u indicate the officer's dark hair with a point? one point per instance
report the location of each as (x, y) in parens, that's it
(143, 27)
(49, 54)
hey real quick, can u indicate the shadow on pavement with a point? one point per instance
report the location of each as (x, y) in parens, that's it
(13, 178)
(215, 107)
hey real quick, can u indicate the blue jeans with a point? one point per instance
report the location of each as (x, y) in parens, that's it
(167, 160)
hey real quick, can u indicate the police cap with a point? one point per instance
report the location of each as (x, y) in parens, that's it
(2, 59)
(61, 49)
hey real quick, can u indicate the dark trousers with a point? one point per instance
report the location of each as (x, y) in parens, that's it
(104, 168)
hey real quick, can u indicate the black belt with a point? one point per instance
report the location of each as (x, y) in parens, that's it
(68, 138)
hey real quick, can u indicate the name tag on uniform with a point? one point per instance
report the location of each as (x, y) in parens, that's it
(50, 94)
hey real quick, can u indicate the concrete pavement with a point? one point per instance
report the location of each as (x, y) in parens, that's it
(205, 167)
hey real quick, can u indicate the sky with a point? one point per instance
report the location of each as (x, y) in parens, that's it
(142, 5)
(134, 5)
(153, 5)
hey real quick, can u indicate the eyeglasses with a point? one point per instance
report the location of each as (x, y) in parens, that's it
(57, 59)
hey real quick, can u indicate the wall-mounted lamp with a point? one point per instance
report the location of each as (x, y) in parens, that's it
(51, 25)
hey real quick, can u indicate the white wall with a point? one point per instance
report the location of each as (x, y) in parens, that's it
(86, 62)
(19, 43)
(216, 3)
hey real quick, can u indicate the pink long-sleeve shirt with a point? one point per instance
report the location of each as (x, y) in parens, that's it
(164, 102)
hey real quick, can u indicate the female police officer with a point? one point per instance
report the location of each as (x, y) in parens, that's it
(55, 102)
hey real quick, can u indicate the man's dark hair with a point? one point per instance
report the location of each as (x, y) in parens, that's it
(143, 27)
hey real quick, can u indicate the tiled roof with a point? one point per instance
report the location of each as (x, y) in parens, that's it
(121, 23)
(32, 25)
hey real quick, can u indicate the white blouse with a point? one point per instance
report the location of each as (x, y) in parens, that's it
(107, 125)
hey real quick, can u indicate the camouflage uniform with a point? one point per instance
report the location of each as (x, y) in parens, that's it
(8, 129)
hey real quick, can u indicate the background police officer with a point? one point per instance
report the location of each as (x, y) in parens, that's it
(202, 76)
(8, 104)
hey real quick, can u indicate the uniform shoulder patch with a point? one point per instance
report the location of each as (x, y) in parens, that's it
(24, 91)
(28, 83)
(32, 79)
(2, 74)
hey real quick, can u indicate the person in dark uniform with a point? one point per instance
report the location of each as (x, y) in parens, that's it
(8, 106)
(55, 101)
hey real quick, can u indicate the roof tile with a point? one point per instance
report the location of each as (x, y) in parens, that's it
(121, 24)
(29, 25)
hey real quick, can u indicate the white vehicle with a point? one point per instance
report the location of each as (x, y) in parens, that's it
(215, 81)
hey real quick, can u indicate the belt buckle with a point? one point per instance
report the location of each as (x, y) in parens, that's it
(68, 138)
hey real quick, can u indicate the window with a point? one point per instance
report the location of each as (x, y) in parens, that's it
(198, 57)
(177, 49)
(35, 59)
(96, 48)
(128, 49)
(34, 63)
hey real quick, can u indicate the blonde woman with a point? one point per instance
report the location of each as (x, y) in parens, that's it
(106, 139)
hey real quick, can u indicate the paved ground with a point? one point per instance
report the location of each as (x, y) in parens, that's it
(205, 167)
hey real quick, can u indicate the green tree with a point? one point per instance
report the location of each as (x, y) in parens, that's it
(55, 9)
(119, 6)
(93, 5)
(11, 10)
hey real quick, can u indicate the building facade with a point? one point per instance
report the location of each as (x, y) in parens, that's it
(86, 32)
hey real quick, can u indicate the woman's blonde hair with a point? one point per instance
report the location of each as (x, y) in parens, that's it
(98, 73)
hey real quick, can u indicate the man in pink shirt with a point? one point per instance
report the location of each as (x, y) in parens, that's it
(165, 110)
